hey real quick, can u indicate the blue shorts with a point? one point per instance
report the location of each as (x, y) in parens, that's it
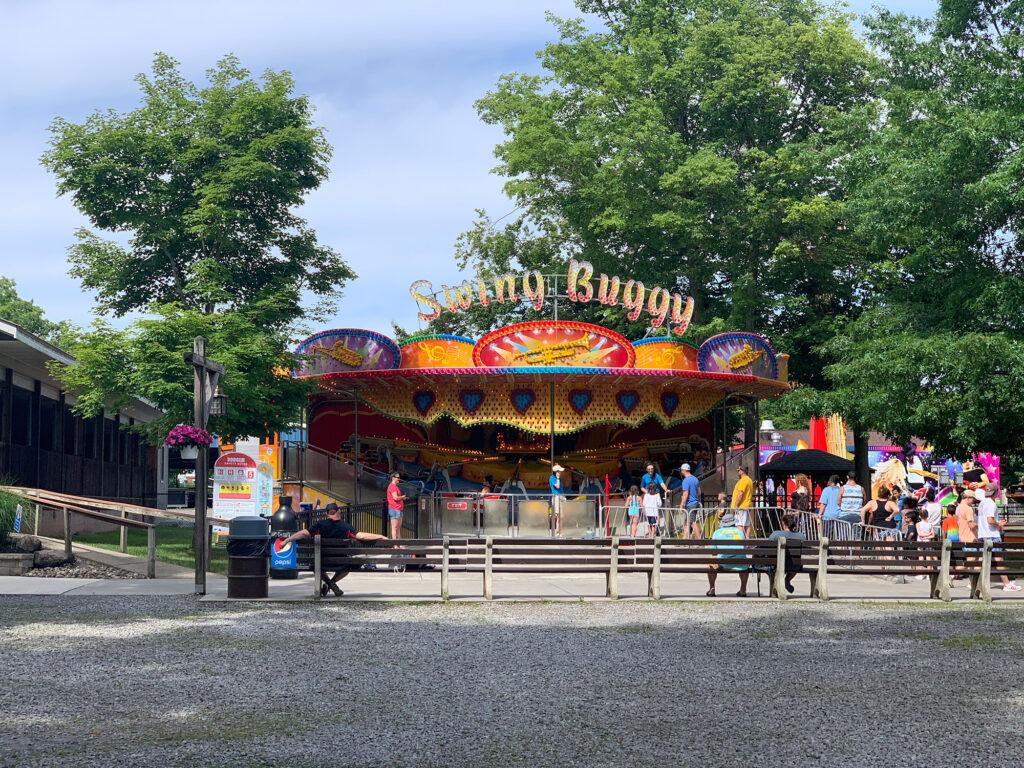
(394, 514)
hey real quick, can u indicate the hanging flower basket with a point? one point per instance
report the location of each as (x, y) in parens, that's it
(188, 439)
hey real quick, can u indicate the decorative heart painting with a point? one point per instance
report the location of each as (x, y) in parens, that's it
(669, 402)
(579, 399)
(522, 399)
(424, 401)
(628, 401)
(471, 399)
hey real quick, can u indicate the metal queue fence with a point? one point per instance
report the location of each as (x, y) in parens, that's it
(510, 514)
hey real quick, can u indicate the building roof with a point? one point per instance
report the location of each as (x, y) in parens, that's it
(808, 461)
(27, 354)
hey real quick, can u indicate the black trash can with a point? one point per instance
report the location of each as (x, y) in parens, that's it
(248, 557)
(284, 561)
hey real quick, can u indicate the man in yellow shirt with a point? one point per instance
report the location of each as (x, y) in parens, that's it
(742, 499)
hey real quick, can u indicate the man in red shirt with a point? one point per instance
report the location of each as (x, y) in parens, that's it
(396, 504)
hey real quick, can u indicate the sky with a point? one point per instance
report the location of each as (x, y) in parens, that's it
(394, 84)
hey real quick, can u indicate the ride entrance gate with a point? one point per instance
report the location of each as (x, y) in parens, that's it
(498, 514)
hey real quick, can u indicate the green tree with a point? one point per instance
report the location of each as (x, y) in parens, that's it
(200, 184)
(687, 144)
(23, 312)
(935, 191)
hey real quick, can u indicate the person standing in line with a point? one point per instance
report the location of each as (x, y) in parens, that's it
(828, 502)
(633, 509)
(851, 499)
(652, 506)
(801, 498)
(967, 527)
(690, 503)
(881, 513)
(557, 495)
(652, 477)
(396, 505)
(790, 531)
(990, 528)
(933, 512)
(914, 467)
(742, 500)
(623, 477)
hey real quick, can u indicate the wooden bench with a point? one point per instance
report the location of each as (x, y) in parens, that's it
(820, 559)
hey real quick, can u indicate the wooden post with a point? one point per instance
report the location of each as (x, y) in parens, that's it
(150, 551)
(985, 579)
(124, 533)
(67, 532)
(654, 582)
(778, 588)
(612, 591)
(488, 568)
(820, 589)
(316, 567)
(445, 564)
(940, 590)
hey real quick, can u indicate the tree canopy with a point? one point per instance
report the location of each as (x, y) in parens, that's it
(934, 187)
(23, 312)
(687, 144)
(199, 187)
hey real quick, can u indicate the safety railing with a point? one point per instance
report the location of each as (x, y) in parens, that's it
(505, 514)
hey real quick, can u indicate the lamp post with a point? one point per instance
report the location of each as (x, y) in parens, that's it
(207, 400)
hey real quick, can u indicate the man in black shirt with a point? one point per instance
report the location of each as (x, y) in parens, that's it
(333, 528)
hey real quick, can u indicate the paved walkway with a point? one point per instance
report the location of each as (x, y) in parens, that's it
(425, 586)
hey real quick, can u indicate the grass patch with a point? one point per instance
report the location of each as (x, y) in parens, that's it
(173, 545)
(971, 641)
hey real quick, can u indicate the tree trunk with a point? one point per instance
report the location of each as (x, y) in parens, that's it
(860, 460)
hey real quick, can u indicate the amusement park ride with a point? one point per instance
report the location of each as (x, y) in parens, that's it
(503, 408)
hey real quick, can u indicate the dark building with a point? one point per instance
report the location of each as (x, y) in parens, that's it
(43, 444)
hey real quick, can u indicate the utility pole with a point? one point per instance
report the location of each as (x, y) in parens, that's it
(207, 373)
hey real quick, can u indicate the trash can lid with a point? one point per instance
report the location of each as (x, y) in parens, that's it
(248, 527)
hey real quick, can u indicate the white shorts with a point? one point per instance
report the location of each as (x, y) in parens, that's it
(742, 516)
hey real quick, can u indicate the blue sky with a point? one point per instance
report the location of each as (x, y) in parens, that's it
(394, 83)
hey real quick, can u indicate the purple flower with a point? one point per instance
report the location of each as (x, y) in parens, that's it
(186, 434)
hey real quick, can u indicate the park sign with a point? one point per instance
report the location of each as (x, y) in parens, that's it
(659, 303)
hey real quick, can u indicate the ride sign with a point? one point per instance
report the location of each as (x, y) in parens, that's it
(235, 487)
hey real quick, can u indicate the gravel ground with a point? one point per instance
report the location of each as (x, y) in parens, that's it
(173, 682)
(82, 569)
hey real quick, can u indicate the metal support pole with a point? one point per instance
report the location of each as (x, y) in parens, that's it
(551, 433)
(124, 532)
(355, 452)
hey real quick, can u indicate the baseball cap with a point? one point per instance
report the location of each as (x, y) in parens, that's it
(557, 468)
(991, 489)
(686, 467)
(979, 494)
(728, 520)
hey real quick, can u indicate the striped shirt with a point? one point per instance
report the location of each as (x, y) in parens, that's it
(853, 498)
